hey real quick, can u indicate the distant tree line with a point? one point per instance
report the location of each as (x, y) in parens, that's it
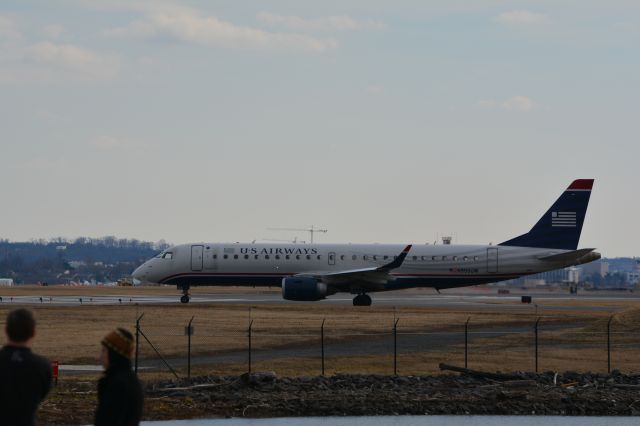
(62, 260)
(610, 280)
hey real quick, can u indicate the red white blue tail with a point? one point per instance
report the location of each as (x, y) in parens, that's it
(561, 225)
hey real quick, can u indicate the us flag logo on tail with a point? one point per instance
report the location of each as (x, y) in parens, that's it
(563, 219)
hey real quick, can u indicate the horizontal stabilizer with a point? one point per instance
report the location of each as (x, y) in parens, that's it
(567, 256)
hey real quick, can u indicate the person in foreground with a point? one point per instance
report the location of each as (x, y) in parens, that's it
(25, 378)
(120, 396)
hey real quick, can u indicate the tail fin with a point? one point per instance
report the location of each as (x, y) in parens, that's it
(561, 225)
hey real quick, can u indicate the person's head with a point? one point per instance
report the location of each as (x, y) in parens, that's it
(117, 348)
(20, 327)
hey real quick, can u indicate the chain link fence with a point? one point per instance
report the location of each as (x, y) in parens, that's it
(407, 345)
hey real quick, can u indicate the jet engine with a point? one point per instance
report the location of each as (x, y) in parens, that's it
(303, 289)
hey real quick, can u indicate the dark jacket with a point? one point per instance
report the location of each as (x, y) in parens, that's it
(25, 380)
(119, 398)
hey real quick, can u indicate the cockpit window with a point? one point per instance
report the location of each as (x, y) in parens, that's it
(167, 255)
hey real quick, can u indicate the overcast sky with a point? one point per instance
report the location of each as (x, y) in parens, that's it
(381, 121)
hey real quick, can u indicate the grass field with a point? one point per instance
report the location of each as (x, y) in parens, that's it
(357, 340)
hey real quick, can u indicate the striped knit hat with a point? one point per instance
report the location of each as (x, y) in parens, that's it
(120, 341)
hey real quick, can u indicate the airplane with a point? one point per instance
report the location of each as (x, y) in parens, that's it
(311, 272)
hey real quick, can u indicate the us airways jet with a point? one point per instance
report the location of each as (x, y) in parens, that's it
(310, 272)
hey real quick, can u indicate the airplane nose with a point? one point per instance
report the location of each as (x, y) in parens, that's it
(140, 273)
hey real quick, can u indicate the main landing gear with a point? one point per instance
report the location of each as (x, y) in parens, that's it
(362, 300)
(185, 294)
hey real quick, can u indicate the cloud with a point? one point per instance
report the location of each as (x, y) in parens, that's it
(8, 30)
(107, 143)
(74, 58)
(54, 31)
(188, 26)
(329, 23)
(519, 103)
(39, 164)
(521, 18)
(514, 103)
(111, 143)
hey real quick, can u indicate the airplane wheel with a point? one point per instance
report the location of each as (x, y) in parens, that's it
(184, 299)
(362, 300)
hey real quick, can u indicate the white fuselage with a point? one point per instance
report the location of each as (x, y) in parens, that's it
(439, 266)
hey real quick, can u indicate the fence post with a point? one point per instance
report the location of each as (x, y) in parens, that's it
(322, 343)
(466, 342)
(535, 329)
(609, 345)
(249, 335)
(395, 347)
(137, 341)
(189, 333)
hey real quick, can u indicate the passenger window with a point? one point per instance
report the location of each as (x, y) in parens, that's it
(424, 258)
(415, 257)
(277, 256)
(286, 257)
(364, 257)
(385, 257)
(319, 257)
(444, 257)
(226, 256)
(266, 256)
(354, 257)
(297, 257)
(465, 258)
(475, 257)
(342, 257)
(246, 256)
(257, 256)
(235, 256)
(215, 256)
(455, 258)
(433, 258)
(308, 257)
(375, 257)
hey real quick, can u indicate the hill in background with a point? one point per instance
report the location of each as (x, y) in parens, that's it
(59, 261)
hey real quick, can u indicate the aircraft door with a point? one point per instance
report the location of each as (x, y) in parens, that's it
(332, 258)
(196, 257)
(492, 260)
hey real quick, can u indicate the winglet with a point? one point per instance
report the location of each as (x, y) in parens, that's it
(397, 262)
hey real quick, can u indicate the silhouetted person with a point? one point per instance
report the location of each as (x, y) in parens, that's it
(25, 378)
(120, 396)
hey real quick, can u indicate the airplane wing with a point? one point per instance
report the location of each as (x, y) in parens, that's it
(373, 276)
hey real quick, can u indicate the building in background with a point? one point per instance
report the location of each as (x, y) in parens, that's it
(600, 267)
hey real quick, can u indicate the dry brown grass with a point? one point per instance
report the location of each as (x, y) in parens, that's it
(72, 335)
(88, 291)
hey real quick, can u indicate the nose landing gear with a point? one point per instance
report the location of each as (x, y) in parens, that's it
(362, 300)
(185, 294)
